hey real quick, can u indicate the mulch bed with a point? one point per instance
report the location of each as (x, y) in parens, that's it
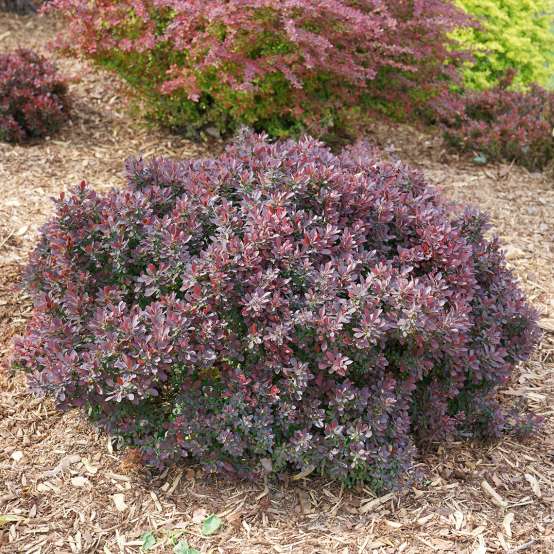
(65, 487)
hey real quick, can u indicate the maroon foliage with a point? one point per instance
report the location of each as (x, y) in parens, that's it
(276, 302)
(501, 124)
(33, 97)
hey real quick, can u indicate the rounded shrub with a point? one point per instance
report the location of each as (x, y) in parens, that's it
(33, 97)
(511, 35)
(279, 66)
(277, 304)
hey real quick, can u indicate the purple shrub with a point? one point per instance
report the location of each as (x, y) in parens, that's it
(502, 124)
(277, 302)
(33, 97)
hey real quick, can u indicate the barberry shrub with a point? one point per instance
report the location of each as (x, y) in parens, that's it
(21, 7)
(500, 124)
(33, 97)
(278, 304)
(279, 66)
(511, 35)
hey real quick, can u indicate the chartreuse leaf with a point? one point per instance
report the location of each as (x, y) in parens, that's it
(148, 541)
(182, 547)
(8, 518)
(211, 525)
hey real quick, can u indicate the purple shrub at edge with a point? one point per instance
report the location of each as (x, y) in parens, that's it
(33, 97)
(500, 123)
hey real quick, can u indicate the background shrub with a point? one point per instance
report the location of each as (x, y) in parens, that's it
(280, 66)
(501, 124)
(276, 302)
(513, 35)
(21, 7)
(33, 97)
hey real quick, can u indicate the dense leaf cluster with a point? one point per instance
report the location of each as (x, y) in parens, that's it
(275, 65)
(511, 35)
(277, 302)
(33, 97)
(500, 124)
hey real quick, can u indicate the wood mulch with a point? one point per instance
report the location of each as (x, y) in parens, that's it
(66, 488)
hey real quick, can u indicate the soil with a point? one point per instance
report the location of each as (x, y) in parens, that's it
(65, 487)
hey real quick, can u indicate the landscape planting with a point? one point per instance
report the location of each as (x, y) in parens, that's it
(283, 67)
(205, 68)
(33, 97)
(276, 307)
(500, 124)
(250, 298)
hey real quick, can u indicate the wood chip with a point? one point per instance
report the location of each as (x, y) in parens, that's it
(496, 498)
(119, 502)
(535, 487)
(393, 524)
(547, 325)
(199, 515)
(79, 481)
(17, 456)
(507, 524)
(65, 463)
(375, 503)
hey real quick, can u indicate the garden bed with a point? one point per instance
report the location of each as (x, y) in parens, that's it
(58, 475)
